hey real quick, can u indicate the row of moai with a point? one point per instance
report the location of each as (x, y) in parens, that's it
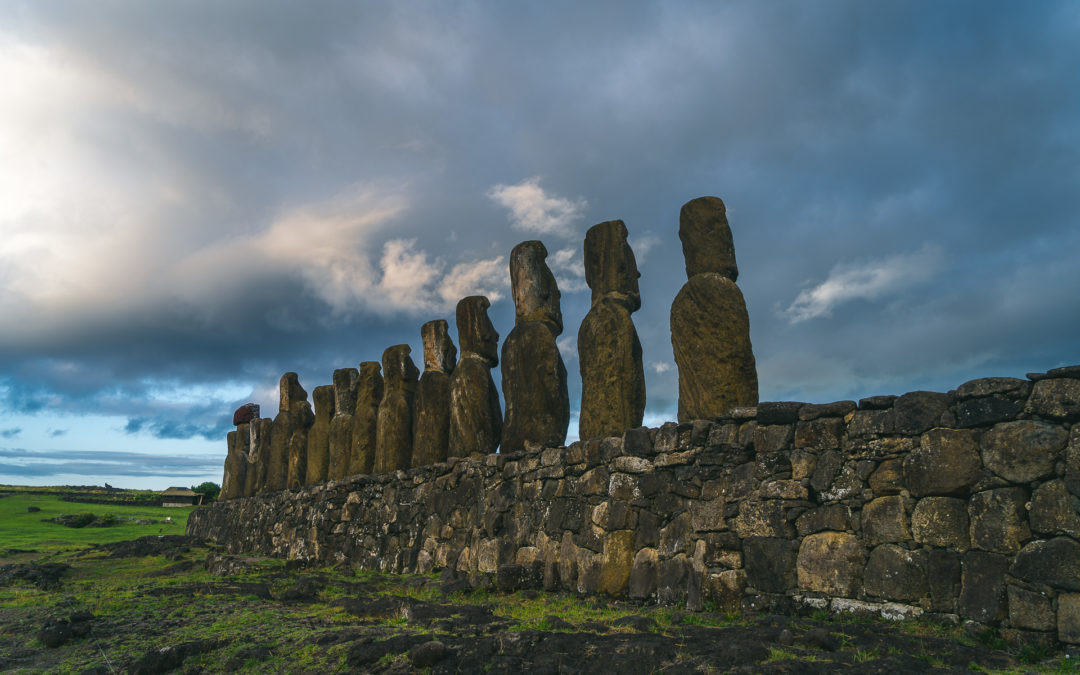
(386, 417)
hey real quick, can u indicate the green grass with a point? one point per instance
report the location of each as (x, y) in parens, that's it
(24, 530)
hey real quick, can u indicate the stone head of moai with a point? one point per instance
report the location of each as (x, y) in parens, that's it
(610, 267)
(440, 354)
(291, 393)
(706, 238)
(475, 332)
(369, 385)
(346, 381)
(536, 295)
(399, 371)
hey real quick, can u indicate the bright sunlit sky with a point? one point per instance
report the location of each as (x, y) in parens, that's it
(196, 197)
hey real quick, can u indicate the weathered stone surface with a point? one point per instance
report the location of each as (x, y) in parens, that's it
(941, 521)
(778, 412)
(989, 386)
(369, 394)
(1068, 618)
(1023, 451)
(534, 388)
(1030, 610)
(671, 585)
(610, 266)
(946, 463)
(533, 373)
(819, 434)
(1055, 562)
(830, 562)
(919, 411)
(277, 467)
(393, 444)
(895, 573)
(710, 335)
(431, 425)
(887, 478)
(1054, 510)
(475, 411)
(977, 412)
(236, 462)
(943, 579)
(877, 402)
(612, 374)
(1056, 399)
(644, 574)
(770, 563)
(320, 466)
(303, 418)
(884, 520)
(258, 456)
(999, 520)
(761, 519)
(706, 238)
(813, 411)
(618, 562)
(245, 413)
(831, 517)
(982, 590)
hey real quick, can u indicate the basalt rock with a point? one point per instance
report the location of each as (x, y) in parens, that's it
(232, 482)
(393, 444)
(612, 375)
(320, 464)
(261, 431)
(475, 413)
(369, 394)
(346, 383)
(303, 418)
(710, 327)
(431, 425)
(533, 373)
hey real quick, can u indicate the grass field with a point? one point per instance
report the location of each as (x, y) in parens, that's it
(165, 603)
(22, 529)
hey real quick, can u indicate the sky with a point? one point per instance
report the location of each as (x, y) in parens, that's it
(198, 196)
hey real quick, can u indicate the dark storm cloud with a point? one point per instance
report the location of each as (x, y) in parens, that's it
(900, 177)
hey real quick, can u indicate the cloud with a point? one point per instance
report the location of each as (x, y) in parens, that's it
(568, 266)
(40, 463)
(642, 244)
(57, 433)
(865, 281)
(567, 345)
(660, 367)
(534, 210)
(489, 277)
(10, 433)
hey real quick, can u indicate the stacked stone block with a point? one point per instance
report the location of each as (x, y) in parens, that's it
(963, 505)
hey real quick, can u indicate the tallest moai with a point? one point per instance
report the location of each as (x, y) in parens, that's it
(710, 328)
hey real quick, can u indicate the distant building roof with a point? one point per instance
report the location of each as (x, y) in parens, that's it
(179, 492)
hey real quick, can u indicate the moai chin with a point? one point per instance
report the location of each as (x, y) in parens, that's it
(710, 327)
(369, 393)
(340, 442)
(393, 444)
(431, 424)
(533, 373)
(318, 453)
(609, 351)
(475, 413)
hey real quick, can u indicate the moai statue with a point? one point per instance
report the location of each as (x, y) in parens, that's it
(318, 449)
(303, 418)
(475, 413)
(236, 463)
(393, 434)
(291, 415)
(710, 328)
(261, 430)
(369, 394)
(533, 373)
(431, 424)
(346, 382)
(609, 352)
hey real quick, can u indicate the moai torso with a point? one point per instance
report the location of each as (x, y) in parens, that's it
(369, 393)
(293, 414)
(533, 373)
(318, 454)
(475, 413)
(431, 424)
(609, 352)
(393, 443)
(710, 327)
(340, 442)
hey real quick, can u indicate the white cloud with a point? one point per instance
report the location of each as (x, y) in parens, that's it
(534, 210)
(642, 245)
(866, 281)
(660, 367)
(568, 266)
(488, 277)
(568, 347)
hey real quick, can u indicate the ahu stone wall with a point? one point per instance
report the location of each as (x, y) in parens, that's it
(964, 503)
